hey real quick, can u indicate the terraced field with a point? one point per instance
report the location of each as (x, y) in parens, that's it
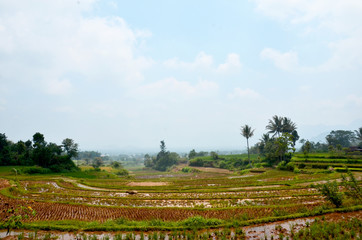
(168, 201)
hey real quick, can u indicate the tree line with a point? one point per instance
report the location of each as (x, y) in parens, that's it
(57, 158)
(279, 142)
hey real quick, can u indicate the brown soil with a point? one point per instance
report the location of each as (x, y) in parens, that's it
(256, 187)
(268, 230)
(147, 184)
(213, 170)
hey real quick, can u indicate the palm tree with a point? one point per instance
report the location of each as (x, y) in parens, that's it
(288, 126)
(359, 134)
(247, 133)
(265, 138)
(275, 125)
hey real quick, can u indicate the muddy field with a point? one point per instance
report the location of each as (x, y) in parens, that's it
(228, 198)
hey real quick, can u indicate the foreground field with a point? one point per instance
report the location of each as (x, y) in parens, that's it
(175, 201)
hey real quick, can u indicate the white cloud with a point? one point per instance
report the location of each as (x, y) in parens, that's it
(244, 93)
(53, 39)
(340, 20)
(286, 61)
(204, 61)
(347, 54)
(232, 64)
(338, 16)
(171, 88)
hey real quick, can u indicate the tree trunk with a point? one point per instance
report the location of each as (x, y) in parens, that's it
(247, 142)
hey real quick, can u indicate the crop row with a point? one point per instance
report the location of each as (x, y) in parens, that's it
(56, 211)
(190, 203)
(326, 165)
(48, 190)
(332, 161)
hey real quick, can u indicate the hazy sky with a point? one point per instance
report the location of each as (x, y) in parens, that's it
(127, 74)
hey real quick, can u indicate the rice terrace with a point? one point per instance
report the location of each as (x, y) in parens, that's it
(180, 120)
(266, 194)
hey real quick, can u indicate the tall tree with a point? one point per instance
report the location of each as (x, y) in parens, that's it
(70, 147)
(265, 138)
(275, 125)
(247, 133)
(288, 126)
(359, 134)
(340, 137)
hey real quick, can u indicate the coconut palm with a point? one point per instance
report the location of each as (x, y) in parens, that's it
(288, 126)
(275, 125)
(247, 133)
(265, 138)
(359, 134)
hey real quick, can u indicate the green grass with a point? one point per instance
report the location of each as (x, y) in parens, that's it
(351, 229)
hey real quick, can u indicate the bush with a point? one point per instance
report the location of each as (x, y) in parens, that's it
(223, 165)
(351, 184)
(290, 166)
(331, 192)
(198, 221)
(197, 162)
(122, 172)
(189, 170)
(36, 170)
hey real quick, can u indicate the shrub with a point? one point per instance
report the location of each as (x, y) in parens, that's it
(198, 162)
(331, 192)
(189, 170)
(36, 170)
(282, 165)
(353, 189)
(122, 172)
(199, 221)
(290, 166)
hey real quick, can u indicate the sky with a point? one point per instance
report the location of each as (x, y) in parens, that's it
(124, 75)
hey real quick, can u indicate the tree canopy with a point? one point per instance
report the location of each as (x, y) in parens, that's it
(163, 160)
(55, 157)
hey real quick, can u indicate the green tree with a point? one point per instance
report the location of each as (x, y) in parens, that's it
(306, 149)
(148, 162)
(295, 136)
(192, 154)
(38, 140)
(214, 155)
(279, 149)
(288, 126)
(164, 158)
(275, 125)
(5, 151)
(359, 136)
(342, 137)
(70, 147)
(265, 138)
(116, 165)
(247, 133)
(97, 162)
